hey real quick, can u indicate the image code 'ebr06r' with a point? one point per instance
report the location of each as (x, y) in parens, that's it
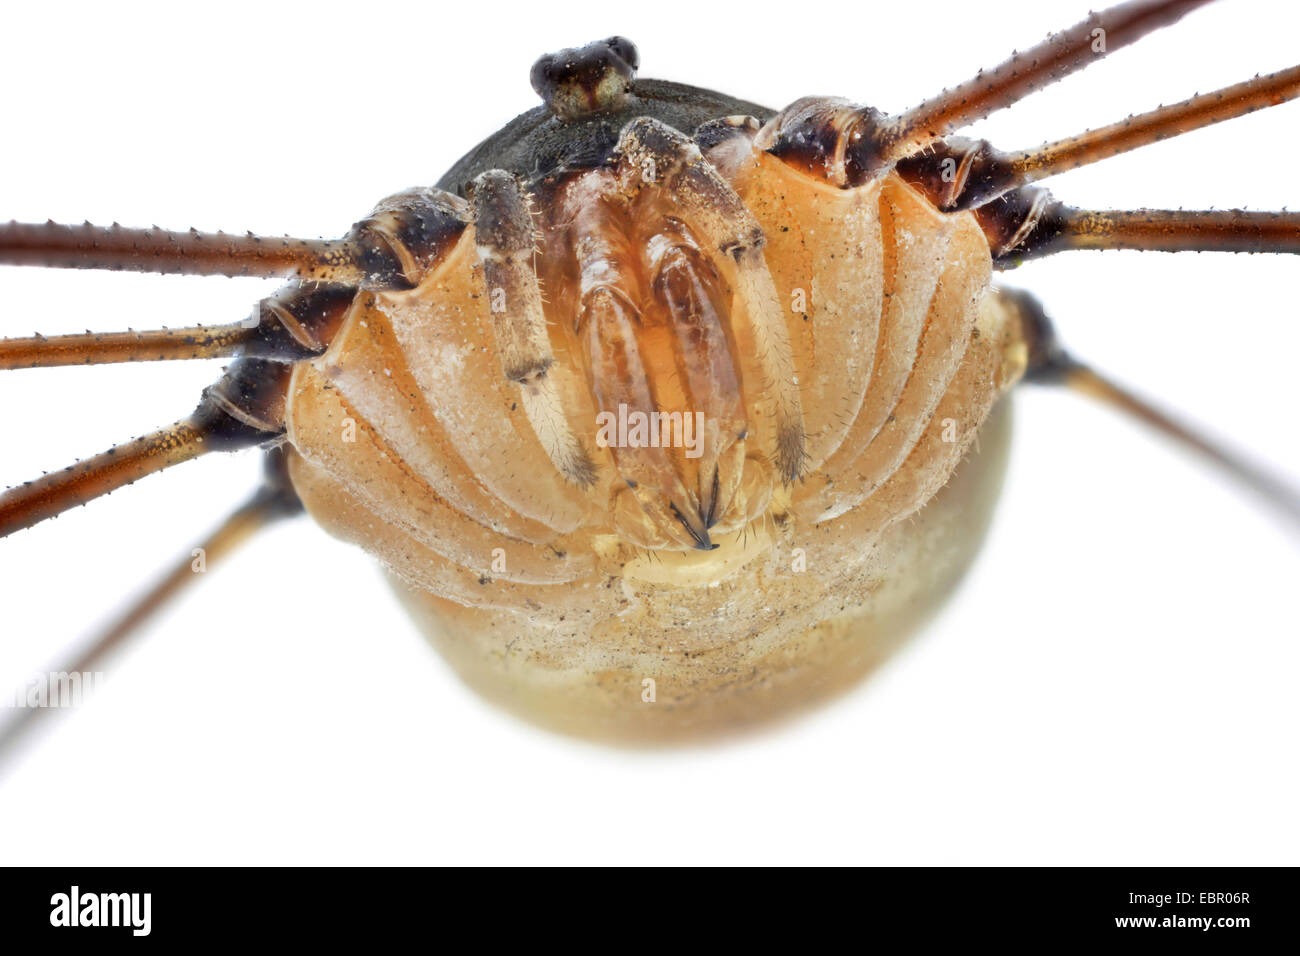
(657, 388)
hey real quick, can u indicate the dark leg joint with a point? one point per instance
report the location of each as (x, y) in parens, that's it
(959, 173)
(246, 406)
(406, 235)
(1049, 363)
(299, 321)
(1025, 223)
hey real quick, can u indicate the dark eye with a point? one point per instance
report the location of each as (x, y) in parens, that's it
(540, 75)
(625, 49)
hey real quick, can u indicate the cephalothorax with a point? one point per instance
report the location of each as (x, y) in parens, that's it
(658, 392)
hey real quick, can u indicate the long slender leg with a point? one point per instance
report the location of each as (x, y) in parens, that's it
(1023, 73)
(52, 494)
(296, 322)
(245, 408)
(1172, 230)
(1087, 381)
(114, 247)
(962, 174)
(850, 145)
(101, 348)
(1027, 224)
(1050, 364)
(392, 247)
(272, 502)
(1163, 123)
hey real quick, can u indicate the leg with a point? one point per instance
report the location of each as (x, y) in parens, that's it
(849, 145)
(189, 253)
(1023, 73)
(393, 246)
(1050, 364)
(102, 348)
(274, 501)
(1028, 224)
(297, 322)
(964, 174)
(245, 408)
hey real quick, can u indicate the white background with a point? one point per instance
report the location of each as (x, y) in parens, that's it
(1114, 683)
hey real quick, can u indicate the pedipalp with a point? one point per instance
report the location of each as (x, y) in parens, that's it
(656, 156)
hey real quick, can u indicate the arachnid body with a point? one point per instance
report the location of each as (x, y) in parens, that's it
(657, 391)
(561, 568)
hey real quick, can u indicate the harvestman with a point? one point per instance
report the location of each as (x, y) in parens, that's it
(813, 284)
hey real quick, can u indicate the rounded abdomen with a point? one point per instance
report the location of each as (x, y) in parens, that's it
(821, 358)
